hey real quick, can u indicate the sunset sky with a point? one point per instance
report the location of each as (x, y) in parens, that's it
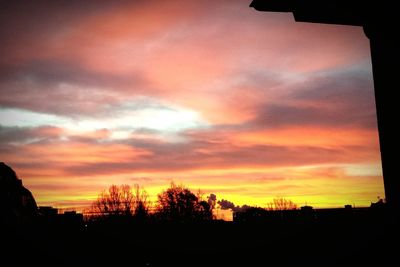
(246, 105)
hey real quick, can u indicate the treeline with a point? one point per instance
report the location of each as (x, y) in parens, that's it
(177, 203)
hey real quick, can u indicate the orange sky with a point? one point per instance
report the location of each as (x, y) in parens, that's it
(246, 105)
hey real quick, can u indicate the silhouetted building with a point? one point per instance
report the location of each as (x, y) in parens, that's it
(251, 215)
(348, 207)
(307, 214)
(71, 219)
(72, 216)
(51, 218)
(47, 211)
(260, 215)
(16, 202)
(306, 209)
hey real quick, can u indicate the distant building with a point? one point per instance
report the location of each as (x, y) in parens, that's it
(47, 211)
(306, 209)
(307, 214)
(50, 217)
(251, 215)
(348, 207)
(71, 219)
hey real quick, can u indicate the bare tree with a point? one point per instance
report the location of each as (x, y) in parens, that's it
(141, 202)
(114, 200)
(127, 199)
(121, 200)
(281, 204)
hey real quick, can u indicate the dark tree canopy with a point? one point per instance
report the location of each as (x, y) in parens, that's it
(178, 203)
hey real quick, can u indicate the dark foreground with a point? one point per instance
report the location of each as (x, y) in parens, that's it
(372, 242)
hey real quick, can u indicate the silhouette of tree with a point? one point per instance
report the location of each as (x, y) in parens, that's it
(178, 203)
(141, 202)
(281, 204)
(121, 200)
